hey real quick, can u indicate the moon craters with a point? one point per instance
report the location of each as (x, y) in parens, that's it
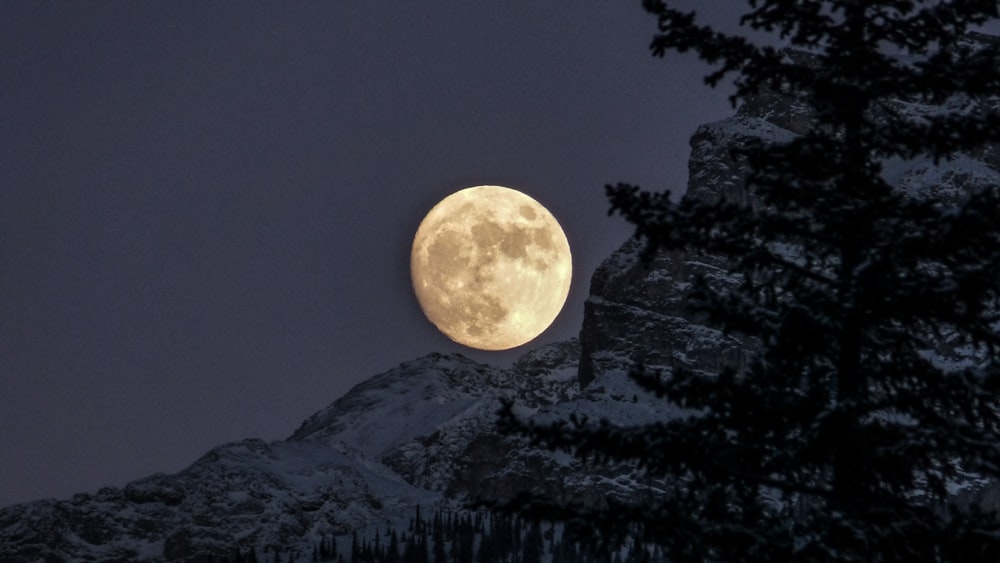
(491, 267)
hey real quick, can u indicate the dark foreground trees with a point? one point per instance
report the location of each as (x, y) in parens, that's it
(839, 440)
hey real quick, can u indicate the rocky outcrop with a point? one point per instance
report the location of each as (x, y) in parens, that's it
(443, 404)
(635, 312)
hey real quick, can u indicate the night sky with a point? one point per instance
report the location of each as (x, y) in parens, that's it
(206, 208)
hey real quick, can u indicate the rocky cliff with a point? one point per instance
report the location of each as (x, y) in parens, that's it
(635, 311)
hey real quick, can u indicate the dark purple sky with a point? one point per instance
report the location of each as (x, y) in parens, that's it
(206, 208)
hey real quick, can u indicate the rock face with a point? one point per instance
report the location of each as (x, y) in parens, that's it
(424, 433)
(444, 403)
(635, 311)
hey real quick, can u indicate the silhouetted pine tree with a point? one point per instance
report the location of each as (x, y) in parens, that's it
(440, 555)
(392, 551)
(837, 441)
(330, 548)
(423, 555)
(487, 549)
(465, 541)
(533, 545)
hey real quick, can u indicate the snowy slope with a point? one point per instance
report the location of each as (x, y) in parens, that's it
(246, 494)
(388, 445)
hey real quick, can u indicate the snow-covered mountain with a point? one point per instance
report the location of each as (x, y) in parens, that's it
(425, 432)
(398, 440)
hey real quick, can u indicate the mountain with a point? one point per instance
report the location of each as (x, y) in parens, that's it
(424, 433)
(395, 441)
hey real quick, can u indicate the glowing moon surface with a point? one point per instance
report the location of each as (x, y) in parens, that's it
(491, 267)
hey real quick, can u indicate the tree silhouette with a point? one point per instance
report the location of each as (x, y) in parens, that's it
(838, 440)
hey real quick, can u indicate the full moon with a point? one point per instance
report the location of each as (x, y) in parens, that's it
(491, 267)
